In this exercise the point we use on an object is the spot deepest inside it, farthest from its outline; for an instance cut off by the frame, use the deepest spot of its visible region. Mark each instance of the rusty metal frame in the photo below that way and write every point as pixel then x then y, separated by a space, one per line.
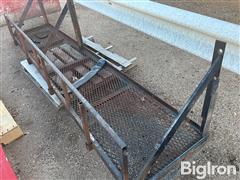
pixel 87 106
pixel 37 56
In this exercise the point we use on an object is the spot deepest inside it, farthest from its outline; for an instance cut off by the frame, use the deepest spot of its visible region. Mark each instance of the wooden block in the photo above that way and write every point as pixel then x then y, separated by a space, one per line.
pixel 9 130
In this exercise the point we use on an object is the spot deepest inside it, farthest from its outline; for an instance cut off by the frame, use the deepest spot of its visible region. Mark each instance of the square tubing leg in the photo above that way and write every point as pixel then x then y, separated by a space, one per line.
pixel 211 92
pixel 43 11
pixel 75 22
pixel 24 13
pixel 45 73
pixel 125 164
pixel 86 131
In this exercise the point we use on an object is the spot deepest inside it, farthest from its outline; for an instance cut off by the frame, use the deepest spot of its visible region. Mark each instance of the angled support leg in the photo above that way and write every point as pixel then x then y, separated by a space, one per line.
pixel 211 91
pixel 75 22
pixel 43 11
pixel 57 26
pixel 24 14
pixel 26 10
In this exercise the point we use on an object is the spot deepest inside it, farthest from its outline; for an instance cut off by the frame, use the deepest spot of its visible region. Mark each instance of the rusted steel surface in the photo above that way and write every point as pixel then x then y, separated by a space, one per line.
pixel 135 133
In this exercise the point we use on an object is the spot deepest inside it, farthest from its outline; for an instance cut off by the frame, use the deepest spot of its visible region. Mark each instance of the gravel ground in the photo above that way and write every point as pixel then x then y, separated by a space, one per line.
pixel 54 146
pixel 224 10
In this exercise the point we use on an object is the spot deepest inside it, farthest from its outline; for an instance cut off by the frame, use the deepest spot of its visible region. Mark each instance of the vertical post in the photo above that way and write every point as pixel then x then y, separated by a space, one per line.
pixel 43 11
pixel 75 22
pixel 66 95
pixel 211 92
pixel 45 74
pixel 125 163
pixel 83 113
pixel 35 57
pixel 23 47
pixel 10 30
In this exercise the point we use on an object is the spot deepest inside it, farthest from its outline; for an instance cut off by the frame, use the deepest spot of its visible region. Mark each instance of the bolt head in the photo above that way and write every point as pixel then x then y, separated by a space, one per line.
pixel 220 51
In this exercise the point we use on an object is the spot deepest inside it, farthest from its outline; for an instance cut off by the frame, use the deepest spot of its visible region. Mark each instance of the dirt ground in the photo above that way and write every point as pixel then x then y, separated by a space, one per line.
pixel 53 147
pixel 224 10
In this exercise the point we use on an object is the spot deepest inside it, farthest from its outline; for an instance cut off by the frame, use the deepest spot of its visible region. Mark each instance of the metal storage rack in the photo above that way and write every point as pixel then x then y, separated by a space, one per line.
pixel 136 134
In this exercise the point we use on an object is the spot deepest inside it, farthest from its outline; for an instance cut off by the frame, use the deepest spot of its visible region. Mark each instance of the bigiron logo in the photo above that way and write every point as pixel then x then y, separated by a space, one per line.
pixel 201 171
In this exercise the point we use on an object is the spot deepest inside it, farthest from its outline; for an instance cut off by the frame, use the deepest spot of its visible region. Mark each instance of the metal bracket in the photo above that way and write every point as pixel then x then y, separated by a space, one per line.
pixel 211 91
pixel 90 74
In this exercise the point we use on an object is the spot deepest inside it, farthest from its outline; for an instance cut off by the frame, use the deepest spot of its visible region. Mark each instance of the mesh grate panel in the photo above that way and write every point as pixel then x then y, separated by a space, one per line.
pixel 140 121
pixel 137 117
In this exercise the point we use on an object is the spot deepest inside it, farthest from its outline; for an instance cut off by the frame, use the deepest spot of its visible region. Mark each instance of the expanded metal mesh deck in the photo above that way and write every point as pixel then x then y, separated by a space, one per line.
pixel 141 121
pixel 135 115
